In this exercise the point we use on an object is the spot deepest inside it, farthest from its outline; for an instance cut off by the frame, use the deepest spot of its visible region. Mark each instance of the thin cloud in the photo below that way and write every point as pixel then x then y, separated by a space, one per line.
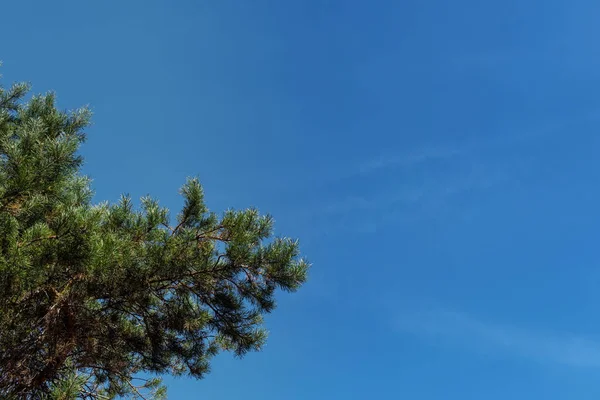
pixel 408 204
pixel 462 330
pixel 469 168
pixel 377 202
pixel 425 155
pixel 411 159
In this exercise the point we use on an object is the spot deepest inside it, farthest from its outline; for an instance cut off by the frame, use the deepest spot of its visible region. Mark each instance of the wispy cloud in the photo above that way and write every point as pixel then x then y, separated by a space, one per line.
pixel 438 195
pixel 413 158
pixel 426 182
pixel 422 156
pixel 375 202
pixel 462 330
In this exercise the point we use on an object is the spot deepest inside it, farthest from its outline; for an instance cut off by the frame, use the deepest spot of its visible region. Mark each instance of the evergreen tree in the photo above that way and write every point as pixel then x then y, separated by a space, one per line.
pixel 93 295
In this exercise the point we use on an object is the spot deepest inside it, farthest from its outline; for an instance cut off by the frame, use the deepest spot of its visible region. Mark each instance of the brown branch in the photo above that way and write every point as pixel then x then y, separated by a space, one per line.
pixel 23 244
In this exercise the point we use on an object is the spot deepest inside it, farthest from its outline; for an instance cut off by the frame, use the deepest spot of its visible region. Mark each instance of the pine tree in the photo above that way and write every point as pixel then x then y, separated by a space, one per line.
pixel 93 295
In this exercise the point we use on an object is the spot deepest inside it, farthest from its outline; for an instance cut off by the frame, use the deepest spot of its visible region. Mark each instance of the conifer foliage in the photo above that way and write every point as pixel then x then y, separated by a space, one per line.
pixel 93 297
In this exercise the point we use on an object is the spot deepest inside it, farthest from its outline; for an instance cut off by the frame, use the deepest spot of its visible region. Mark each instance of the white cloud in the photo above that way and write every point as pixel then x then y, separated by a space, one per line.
pixel 410 159
pixel 428 154
pixel 462 330
pixel 407 204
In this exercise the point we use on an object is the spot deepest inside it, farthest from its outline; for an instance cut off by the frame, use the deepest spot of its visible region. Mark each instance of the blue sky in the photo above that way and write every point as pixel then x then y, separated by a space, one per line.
pixel 438 160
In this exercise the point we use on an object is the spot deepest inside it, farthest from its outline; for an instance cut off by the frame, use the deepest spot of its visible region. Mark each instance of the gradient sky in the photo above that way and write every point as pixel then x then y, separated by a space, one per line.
pixel 437 159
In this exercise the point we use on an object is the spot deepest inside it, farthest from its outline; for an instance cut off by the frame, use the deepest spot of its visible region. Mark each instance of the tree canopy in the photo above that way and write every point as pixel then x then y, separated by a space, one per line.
pixel 93 295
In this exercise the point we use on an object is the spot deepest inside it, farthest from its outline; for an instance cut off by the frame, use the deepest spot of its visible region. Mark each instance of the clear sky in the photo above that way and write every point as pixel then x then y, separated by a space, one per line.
pixel 438 160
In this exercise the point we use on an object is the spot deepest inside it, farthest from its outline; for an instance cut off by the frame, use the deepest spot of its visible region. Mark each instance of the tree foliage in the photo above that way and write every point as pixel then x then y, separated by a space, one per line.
pixel 93 295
